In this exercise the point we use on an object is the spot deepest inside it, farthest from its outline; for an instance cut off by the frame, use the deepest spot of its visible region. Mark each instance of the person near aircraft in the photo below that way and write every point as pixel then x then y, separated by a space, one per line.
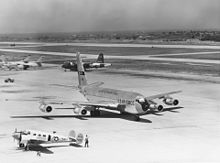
pixel 87 141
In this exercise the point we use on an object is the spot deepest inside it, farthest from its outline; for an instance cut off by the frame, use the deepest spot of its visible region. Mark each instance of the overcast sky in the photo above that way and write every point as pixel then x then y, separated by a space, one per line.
pixel 18 16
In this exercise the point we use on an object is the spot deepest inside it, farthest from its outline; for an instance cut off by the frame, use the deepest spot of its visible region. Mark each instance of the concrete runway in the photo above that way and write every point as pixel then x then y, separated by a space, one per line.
pixel 135 57
pixel 32 44
pixel 188 134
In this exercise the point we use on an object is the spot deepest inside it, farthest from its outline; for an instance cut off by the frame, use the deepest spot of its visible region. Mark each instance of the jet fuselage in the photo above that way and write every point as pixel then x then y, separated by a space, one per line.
pixel 128 102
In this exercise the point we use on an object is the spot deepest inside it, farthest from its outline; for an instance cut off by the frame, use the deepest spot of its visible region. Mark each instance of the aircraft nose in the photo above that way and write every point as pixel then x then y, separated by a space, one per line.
pixel 63 65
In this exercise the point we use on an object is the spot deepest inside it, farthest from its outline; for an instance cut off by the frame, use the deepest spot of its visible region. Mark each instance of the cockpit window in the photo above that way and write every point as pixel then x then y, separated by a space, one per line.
pixel 143 102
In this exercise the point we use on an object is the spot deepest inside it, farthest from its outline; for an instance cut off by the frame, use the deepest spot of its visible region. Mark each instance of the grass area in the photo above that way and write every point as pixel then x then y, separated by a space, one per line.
pixel 196 56
pixel 122 51
pixel 175 67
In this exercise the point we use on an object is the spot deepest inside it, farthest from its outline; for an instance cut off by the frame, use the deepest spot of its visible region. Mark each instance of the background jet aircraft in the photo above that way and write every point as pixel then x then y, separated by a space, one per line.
pixel 29 138
pixel 72 66
pixel 123 101
pixel 20 65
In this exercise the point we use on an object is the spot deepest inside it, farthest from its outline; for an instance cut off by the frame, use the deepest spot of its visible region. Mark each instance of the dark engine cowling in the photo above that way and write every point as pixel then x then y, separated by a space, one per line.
pixel 46 108
pixel 171 101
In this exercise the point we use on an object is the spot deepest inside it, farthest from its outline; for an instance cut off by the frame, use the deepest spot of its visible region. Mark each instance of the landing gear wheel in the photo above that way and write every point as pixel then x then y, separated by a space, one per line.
pixel 26 148
pixel 21 145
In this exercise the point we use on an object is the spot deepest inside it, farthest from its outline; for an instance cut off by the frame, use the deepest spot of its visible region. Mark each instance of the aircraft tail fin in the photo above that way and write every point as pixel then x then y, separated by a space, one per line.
pixel 72 135
pixel 76 138
pixel 39 61
pixel 100 58
pixel 81 71
pixel 79 138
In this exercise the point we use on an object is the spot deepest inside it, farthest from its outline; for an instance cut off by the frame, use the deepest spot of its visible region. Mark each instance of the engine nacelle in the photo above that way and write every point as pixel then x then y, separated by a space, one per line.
pixel 20 66
pixel 45 108
pixel 156 107
pixel 80 111
pixel 171 101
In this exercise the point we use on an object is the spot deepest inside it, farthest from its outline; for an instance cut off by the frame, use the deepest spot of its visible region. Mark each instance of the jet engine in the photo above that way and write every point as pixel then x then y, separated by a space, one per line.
pixel 156 107
pixel 80 111
pixel 171 101
pixel 45 108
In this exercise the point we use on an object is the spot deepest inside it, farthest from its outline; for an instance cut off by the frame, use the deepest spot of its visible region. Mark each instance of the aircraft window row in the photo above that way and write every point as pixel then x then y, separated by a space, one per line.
pixel 34 134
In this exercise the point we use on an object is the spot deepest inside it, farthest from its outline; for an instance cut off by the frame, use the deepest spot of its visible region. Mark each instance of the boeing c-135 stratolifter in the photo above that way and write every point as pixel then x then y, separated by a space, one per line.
pixel 118 100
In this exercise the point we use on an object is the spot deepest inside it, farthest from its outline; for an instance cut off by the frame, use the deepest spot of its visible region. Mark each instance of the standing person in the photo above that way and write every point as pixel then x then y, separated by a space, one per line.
pixel 87 141
pixel 38 153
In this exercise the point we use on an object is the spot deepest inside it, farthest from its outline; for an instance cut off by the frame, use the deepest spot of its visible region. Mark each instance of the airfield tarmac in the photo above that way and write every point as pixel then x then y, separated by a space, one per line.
pixel 187 134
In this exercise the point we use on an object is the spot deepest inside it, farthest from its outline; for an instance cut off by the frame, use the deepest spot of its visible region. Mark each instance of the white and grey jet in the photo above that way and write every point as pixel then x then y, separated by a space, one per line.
pixel 125 102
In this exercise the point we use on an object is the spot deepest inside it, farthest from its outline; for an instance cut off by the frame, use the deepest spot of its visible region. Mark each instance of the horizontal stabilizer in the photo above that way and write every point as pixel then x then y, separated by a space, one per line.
pixel 96 84
pixel 65 86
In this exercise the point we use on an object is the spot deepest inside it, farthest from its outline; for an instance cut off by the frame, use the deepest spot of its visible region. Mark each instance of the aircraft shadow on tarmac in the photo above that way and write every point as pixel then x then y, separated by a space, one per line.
pixel 37 149
pixel 170 109
pixel 46 150
pixel 104 114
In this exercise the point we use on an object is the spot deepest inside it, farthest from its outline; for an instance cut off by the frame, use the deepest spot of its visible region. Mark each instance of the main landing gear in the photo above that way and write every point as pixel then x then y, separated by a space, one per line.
pixel 95 113
pixel 26 147
pixel 136 118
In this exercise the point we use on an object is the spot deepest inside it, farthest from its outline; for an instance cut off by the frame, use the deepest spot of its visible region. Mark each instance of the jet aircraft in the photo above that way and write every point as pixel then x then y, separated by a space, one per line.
pixel 29 138
pixel 72 66
pixel 125 102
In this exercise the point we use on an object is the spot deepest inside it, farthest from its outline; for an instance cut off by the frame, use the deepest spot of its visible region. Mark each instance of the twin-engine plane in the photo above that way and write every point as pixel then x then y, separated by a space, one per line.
pixel 20 65
pixel 125 102
pixel 30 138
pixel 99 63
